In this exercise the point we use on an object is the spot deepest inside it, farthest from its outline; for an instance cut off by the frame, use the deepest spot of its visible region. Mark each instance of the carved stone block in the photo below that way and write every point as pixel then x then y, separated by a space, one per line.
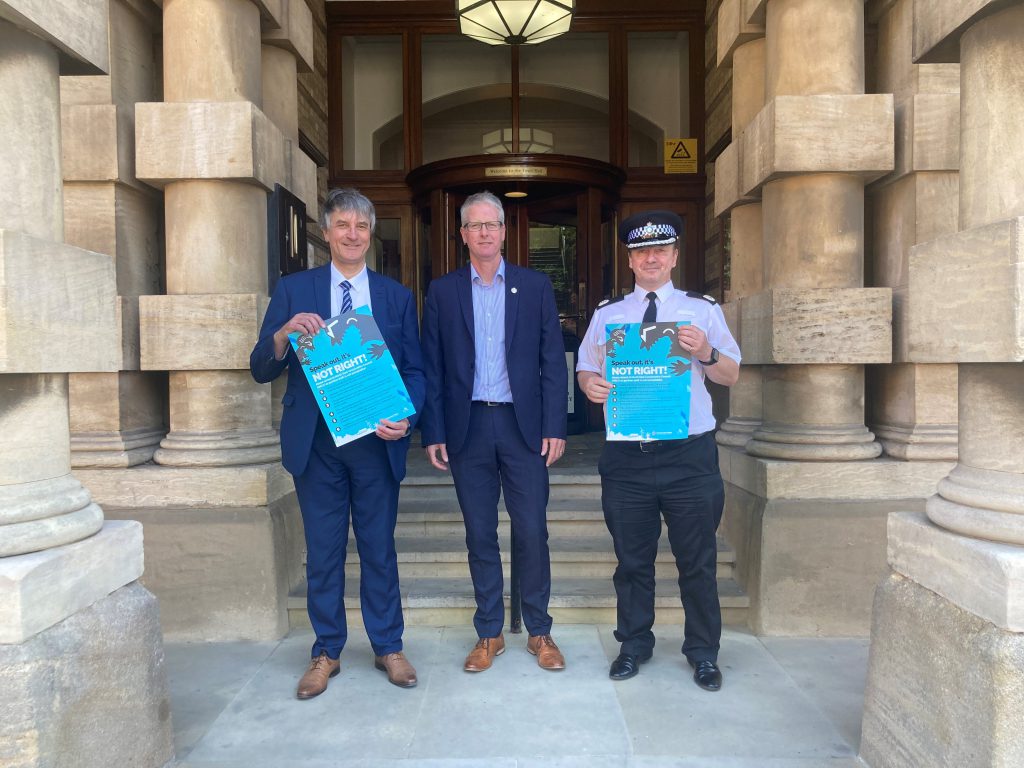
pixel 199 333
pixel 295 33
pixel 59 307
pixel 819 134
pixel 76 28
pixel 829 325
pixel 965 298
pixel 733 30
pixel 208 140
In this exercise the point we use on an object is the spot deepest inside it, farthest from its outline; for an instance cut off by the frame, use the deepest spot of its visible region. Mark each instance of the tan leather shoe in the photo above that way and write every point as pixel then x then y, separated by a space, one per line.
pixel 400 671
pixel 314 682
pixel 547 653
pixel 483 653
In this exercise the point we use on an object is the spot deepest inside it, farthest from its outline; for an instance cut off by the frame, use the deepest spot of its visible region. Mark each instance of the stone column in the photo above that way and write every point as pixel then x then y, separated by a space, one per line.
pixel 741 44
pixel 287 52
pixel 69 610
pixel 223 536
pixel 956 592
pixel 117 419
pixel 912 406
pixel 806 503
pixel 43 505
pixel 814 237
pixel 216 242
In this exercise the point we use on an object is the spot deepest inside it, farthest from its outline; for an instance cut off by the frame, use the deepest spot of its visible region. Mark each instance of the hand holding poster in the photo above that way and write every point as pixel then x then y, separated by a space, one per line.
pixel 650 376
pixel 352 374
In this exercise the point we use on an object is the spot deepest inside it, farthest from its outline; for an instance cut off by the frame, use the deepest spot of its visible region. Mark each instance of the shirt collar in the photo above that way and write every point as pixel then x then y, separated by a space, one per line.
pixel 475 276
pixel 360 282
pixel 663 293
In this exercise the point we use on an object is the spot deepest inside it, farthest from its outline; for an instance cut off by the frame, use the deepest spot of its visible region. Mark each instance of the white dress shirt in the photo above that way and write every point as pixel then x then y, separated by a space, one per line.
pixel 673 306
pixel 360 290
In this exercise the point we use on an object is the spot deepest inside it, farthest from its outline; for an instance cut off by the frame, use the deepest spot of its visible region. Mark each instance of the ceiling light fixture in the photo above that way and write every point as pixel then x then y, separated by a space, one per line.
pixel 515 22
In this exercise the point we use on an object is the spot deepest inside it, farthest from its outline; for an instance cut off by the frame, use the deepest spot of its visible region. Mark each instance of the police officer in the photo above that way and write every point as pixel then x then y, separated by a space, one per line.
pixel 642 481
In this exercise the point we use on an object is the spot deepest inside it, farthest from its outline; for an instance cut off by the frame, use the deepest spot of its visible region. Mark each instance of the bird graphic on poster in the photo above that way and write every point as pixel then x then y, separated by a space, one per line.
pixel 652 334
pixel 616 339
pixel 364 326
pixel 303 346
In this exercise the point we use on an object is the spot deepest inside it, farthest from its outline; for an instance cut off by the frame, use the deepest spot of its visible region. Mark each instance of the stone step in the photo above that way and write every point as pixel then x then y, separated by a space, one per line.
pixel 442 517
pixel 571 557
pixel 564 484
pixel 449 602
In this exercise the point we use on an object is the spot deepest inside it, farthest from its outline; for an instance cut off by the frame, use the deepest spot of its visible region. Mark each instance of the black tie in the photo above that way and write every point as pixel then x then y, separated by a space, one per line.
pixel 651 315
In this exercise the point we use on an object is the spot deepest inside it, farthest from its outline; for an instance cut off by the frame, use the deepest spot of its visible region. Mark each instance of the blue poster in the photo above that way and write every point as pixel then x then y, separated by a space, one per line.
pixel 353 375
pixel 650 376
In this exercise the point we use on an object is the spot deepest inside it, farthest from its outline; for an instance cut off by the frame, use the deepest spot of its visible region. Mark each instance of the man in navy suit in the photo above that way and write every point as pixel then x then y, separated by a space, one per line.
pixel 495 413
pixel 359 479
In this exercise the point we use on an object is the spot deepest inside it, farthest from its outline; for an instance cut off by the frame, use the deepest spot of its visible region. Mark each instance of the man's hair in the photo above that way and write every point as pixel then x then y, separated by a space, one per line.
pixel 348 199
pixel 482 197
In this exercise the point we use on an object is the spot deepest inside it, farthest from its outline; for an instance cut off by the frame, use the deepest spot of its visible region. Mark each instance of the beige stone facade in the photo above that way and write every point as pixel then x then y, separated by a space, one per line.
pixel 866 192
pixel 893 306
pixel 69 601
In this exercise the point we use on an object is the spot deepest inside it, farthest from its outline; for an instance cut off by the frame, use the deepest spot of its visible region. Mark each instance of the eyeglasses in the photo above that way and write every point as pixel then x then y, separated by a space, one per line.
pixel 476 226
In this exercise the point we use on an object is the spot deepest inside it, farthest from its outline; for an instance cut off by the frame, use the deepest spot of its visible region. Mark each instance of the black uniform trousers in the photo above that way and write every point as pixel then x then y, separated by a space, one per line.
pixel 680 480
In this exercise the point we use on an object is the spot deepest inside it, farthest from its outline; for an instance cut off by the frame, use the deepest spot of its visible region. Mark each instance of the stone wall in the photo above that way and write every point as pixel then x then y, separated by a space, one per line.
pixel 807 494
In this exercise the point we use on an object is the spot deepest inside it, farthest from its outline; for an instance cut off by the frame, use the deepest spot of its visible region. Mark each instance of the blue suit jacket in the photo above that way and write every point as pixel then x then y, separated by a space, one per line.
pixel 394 311
pixel 534 351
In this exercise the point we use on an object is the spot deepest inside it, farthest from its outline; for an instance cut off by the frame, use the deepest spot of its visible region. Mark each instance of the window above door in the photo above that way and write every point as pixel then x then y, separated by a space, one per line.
pixel 405 89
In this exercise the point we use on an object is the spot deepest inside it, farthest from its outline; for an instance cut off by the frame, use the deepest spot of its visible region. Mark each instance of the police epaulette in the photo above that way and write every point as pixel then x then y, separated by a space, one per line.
pixel 612 300
pixel 695 295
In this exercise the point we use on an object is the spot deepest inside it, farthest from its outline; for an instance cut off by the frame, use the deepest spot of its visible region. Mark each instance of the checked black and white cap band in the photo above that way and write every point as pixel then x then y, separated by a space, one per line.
pixel 642 230
pixel 651 234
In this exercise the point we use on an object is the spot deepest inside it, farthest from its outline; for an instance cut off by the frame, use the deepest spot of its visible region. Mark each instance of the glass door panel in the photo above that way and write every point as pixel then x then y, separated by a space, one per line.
pixel 467 96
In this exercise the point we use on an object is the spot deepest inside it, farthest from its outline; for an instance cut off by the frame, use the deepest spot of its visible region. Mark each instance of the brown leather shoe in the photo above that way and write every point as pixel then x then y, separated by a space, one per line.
pixel 400 671
pixel 547 653
pixel 483 653
pixel 314 682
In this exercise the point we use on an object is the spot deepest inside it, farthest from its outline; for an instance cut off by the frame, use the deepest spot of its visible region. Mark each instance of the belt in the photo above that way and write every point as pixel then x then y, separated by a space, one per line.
pixel 650 446
pixel 489 403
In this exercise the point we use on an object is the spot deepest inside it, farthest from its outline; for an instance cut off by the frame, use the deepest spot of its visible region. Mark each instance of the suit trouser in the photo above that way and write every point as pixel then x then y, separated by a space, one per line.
pixel 496 459
pixel 353 481
pixel 680 480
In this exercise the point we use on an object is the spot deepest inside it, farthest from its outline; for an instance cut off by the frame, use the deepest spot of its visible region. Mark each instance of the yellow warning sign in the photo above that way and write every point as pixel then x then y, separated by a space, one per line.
pixel 680 156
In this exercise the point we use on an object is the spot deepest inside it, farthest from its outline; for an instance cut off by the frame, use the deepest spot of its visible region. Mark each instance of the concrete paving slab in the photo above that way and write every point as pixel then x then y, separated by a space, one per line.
pixel 203 679
pixel 743 762
pixel 831 672
pixel 359 716
pixel 516 708
pixel 759 713
pixel 786 703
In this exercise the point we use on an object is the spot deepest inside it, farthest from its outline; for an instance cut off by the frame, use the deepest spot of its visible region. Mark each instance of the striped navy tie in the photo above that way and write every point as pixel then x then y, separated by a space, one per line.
pixel 346 296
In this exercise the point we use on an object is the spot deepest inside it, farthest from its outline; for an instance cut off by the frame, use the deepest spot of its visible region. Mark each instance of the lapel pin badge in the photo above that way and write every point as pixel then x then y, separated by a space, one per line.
pixel 515 290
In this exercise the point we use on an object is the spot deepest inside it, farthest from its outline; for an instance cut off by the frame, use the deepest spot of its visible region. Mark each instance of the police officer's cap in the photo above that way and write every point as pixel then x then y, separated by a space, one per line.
pixel 642 230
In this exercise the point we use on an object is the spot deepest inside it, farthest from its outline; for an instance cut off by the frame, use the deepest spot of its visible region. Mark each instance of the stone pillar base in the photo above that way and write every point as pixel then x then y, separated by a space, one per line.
pixel 919 442
pixel 42 514
pixel 114 449
pixel 219 449
pixel 944 686
pixel 223 546
pixel 736 431
pixel 810 538
pixel 813 443
pixel 90 691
